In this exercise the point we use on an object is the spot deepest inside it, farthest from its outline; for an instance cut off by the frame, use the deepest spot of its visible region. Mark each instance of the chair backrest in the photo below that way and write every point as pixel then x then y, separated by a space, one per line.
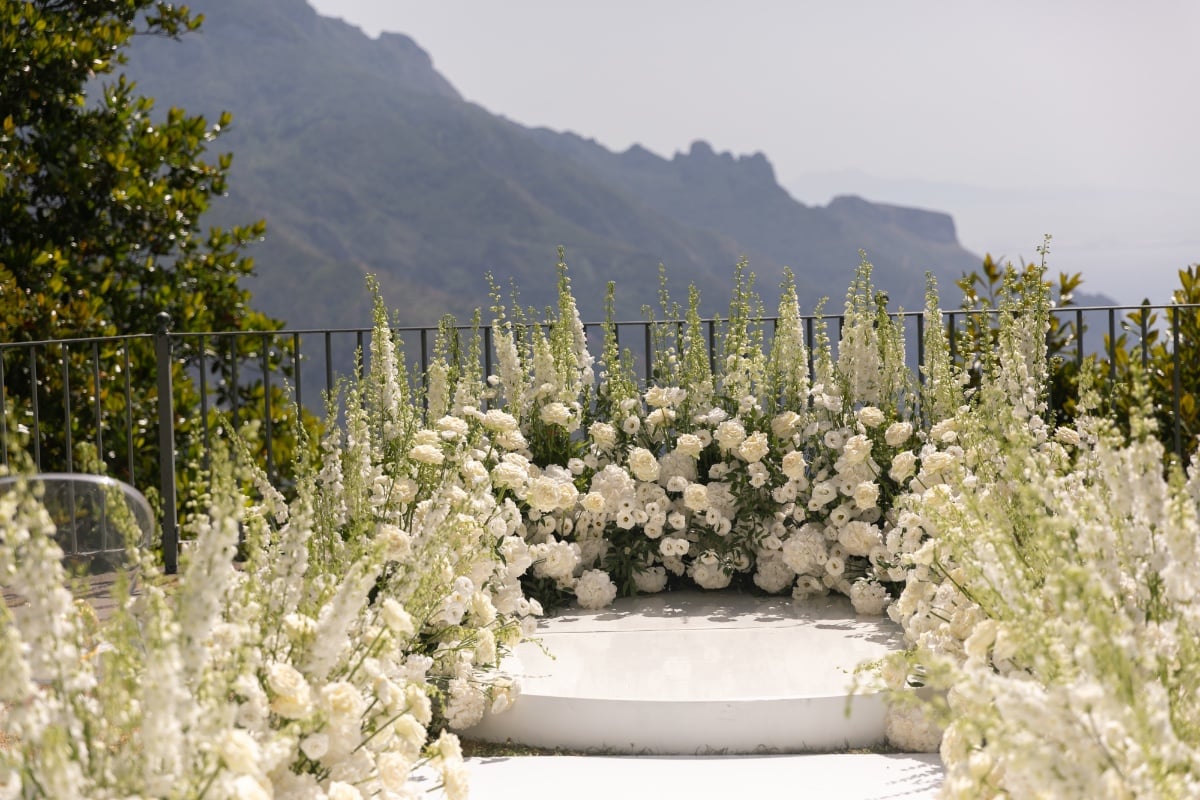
pixel 95 515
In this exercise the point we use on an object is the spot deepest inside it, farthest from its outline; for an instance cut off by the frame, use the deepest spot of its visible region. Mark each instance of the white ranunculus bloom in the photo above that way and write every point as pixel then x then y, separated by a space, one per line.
pixel 603 435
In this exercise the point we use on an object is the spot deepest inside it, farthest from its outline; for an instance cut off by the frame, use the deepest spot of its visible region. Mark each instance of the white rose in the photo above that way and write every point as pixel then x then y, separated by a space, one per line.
pixel 643 464
pixel 794 465
pixel 904 464
pixel 593 502
pixel 753 447
pixel 689 444
pixel 342 699
pixel 898 433
pixel 856 450
pixel 695 497
pixel 595 589
pixel 394 770
pixel 426 454
pixel 730 434
pixel 866 494
pixel 543 494
pixel 603 435
pixel 870 416
pixel 292 695
pixel 343 791
pixel 396 618
pixel 556 414
pixel 785 424
pixel 240 752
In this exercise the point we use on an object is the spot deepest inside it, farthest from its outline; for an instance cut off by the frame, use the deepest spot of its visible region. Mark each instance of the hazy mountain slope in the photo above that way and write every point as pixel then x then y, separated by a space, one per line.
pixel 362 158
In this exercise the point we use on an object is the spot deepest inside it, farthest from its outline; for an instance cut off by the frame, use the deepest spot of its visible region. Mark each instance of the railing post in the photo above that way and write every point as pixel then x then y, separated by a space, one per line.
pixel 166 444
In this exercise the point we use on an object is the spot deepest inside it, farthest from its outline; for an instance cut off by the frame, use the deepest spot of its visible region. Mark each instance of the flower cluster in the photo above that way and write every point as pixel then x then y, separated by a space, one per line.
pixel 368 620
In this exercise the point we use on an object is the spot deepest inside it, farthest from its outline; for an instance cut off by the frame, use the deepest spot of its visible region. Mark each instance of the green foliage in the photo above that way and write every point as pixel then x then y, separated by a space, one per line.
pixel 1157 347
pixel 101 200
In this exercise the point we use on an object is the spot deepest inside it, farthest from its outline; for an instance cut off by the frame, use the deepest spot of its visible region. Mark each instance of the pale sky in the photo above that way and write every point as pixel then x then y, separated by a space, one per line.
pixel 1079 119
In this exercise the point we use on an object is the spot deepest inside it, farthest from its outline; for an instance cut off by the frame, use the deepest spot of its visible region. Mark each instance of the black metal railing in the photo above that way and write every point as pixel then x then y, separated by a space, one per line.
pixel 132 395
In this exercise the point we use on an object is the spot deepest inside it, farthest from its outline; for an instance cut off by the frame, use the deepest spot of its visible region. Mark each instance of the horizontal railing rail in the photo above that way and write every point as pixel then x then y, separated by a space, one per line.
pixel 57 393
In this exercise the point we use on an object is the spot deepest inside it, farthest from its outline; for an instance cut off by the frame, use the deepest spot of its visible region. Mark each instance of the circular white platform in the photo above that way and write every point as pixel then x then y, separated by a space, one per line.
pixel 693 672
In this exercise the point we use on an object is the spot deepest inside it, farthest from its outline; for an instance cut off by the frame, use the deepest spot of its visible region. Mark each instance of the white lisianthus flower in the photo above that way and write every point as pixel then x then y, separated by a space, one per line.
pixel 904 465
pixel 670 546
pixel 870 416
pixel 595 589
pixel 822 494
pixel 794 465
pixel 898 433
pixel 292 696
pixel 758 473
pixel 753 447
pixel 834 439
pixel 643 464
pixel 730 434
pixel 677 520
pixel 427 454
pixel 631 424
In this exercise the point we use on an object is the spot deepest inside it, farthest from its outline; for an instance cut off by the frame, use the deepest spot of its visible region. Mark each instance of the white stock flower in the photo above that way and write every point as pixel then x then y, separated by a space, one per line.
pixel 396 618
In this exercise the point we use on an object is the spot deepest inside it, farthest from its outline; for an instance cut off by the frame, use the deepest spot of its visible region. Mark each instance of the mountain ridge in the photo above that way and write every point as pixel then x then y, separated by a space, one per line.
pixel 364 159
